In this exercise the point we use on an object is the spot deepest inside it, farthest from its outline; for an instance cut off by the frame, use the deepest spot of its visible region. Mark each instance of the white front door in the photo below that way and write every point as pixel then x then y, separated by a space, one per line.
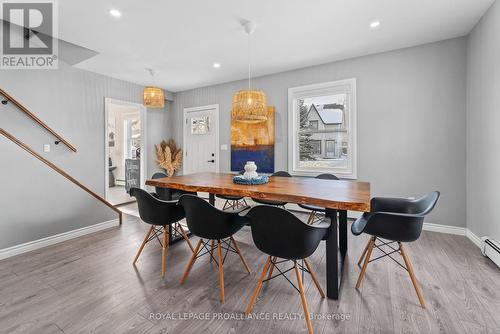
pixel 201 139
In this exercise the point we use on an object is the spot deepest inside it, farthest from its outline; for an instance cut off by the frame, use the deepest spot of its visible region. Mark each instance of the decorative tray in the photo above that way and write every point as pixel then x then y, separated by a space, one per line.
pixel 261 179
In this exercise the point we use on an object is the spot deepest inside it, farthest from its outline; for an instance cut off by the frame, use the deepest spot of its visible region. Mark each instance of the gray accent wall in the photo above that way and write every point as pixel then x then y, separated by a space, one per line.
pixel 411 119
pixel 483 126
pixel 35 201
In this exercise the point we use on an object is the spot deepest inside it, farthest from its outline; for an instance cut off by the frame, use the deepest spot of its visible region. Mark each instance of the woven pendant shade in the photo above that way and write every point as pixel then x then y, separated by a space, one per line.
pixel 249 106
pixel 153 97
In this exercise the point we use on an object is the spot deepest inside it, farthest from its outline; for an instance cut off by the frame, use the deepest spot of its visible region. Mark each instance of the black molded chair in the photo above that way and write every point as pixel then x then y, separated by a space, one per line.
pixel 314 216
pixel 397 220
pixel 271 202
pixel 216 226
pixel 281 235
pixel 159 214
pixel 163 192
pixel 233 202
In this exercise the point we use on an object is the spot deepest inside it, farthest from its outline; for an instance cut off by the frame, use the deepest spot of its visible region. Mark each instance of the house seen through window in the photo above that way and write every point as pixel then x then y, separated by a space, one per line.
pixel 324 126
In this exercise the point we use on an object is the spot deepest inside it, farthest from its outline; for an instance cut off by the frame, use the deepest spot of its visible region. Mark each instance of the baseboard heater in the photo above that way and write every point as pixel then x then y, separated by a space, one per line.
pixel 491 249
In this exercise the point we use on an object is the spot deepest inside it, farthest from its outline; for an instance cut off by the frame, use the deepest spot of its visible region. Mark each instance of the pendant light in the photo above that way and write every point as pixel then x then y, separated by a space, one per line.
pixel 153 97
pixel 249 105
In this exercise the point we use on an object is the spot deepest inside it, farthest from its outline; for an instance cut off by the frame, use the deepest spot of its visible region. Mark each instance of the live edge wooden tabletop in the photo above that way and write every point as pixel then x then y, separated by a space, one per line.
pixel 332 194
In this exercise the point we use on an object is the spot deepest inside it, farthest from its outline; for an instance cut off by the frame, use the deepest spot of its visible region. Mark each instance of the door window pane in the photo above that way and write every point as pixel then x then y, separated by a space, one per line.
pixel 330 148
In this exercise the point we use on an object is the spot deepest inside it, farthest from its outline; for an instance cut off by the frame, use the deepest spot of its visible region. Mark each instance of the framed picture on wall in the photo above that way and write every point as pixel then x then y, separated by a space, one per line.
pixel 253 142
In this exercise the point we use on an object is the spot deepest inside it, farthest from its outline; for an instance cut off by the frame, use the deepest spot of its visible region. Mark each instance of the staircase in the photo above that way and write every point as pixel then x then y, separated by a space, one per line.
pixel 59 139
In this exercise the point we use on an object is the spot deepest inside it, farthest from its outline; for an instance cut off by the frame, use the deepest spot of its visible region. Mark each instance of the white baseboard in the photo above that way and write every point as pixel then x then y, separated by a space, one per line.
pixel 474 238
pixel 454 230
pixel 448 229
pixel 444 229
pixel 295 207
pixel 44 242
pixel 54 239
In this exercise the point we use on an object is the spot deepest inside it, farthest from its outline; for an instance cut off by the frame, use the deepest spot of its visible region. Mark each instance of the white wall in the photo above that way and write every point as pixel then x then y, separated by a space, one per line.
pixel 411 119
pixel 35 201
pixel 483 126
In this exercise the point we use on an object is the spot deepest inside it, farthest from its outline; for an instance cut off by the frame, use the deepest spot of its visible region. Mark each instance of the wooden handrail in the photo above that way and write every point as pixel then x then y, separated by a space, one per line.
pixel 36 119
pixel 60 171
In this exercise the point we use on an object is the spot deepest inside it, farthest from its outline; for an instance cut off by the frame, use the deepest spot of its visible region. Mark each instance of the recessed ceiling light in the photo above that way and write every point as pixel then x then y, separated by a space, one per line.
pixel 216 65
pixel 374 24
pixel 115 13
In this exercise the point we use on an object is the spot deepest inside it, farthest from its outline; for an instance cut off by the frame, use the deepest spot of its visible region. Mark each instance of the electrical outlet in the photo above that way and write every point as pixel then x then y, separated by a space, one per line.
pixel 46 148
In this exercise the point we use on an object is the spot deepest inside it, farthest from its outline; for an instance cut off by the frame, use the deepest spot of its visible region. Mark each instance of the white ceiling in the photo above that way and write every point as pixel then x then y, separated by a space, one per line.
pixel 181 39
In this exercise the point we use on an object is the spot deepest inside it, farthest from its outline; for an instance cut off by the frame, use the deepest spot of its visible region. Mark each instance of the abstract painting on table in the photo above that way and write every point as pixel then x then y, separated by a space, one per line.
pixel 253 142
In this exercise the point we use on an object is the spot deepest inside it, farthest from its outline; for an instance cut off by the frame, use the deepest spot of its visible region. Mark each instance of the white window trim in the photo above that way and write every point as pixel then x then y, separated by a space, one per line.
pixel 293 149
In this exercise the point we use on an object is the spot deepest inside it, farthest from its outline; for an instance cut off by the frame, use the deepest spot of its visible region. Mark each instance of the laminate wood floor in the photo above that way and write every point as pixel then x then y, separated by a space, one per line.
pixel 88 285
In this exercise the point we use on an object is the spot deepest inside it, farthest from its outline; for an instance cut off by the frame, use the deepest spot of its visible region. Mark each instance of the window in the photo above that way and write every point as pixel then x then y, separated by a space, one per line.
pixel 322 116
pixel 315 147
pixel 200 125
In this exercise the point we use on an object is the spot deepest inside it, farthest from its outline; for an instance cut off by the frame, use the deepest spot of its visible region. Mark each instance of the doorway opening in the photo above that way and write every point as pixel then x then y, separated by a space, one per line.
pixel 125 153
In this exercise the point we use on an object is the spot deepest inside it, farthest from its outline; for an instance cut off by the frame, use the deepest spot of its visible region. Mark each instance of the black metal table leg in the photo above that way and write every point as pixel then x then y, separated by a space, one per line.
pixel 343 232
pixel 211 199
pixel 173 238
pixel 334 258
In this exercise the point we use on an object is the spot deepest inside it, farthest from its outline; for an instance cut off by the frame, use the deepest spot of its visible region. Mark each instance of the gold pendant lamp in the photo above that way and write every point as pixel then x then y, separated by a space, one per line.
pixel 153 97
pixel 249 105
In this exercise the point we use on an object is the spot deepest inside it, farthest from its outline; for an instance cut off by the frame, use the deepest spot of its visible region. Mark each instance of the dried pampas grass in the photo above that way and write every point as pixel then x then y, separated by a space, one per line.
pixel 168 156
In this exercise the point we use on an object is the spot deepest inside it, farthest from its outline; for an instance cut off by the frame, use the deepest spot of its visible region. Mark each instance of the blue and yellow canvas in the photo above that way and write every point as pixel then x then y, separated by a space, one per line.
pixel 253 142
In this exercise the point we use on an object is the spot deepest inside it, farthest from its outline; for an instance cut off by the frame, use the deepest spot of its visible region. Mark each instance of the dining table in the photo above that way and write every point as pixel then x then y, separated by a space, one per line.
pixel 336 196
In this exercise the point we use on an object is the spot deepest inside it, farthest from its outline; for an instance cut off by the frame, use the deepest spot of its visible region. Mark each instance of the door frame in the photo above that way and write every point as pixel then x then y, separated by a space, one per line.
pixel 184 129
pixel 143 118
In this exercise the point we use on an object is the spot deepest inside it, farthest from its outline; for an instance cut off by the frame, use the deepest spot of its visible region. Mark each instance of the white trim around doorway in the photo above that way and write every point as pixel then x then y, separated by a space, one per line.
pixel 143 116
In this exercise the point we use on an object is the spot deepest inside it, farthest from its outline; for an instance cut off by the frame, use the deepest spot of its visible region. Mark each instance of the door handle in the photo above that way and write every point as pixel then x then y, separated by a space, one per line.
pixel 212 161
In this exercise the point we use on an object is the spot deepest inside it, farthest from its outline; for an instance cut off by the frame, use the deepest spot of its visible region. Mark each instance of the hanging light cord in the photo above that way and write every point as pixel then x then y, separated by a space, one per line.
pixel 152 73
pixel 248 61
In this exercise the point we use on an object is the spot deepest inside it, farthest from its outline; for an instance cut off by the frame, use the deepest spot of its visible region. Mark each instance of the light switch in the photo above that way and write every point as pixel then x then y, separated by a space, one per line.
pixel 46 148
pixel 223 147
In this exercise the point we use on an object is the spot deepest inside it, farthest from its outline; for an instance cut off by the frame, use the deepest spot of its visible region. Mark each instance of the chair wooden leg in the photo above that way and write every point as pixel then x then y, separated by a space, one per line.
pixel 310 220
pixel 412 276
pixel 191 262
pixel 221 272
pixel 256 291
pixel 184 235
pixel 212 245
pixel 144 242
pixel 241 255
pixel 271 267
pixel 164 250
pixel 315 279
pixel 303 299
pixel 365 264
pixel 364 253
